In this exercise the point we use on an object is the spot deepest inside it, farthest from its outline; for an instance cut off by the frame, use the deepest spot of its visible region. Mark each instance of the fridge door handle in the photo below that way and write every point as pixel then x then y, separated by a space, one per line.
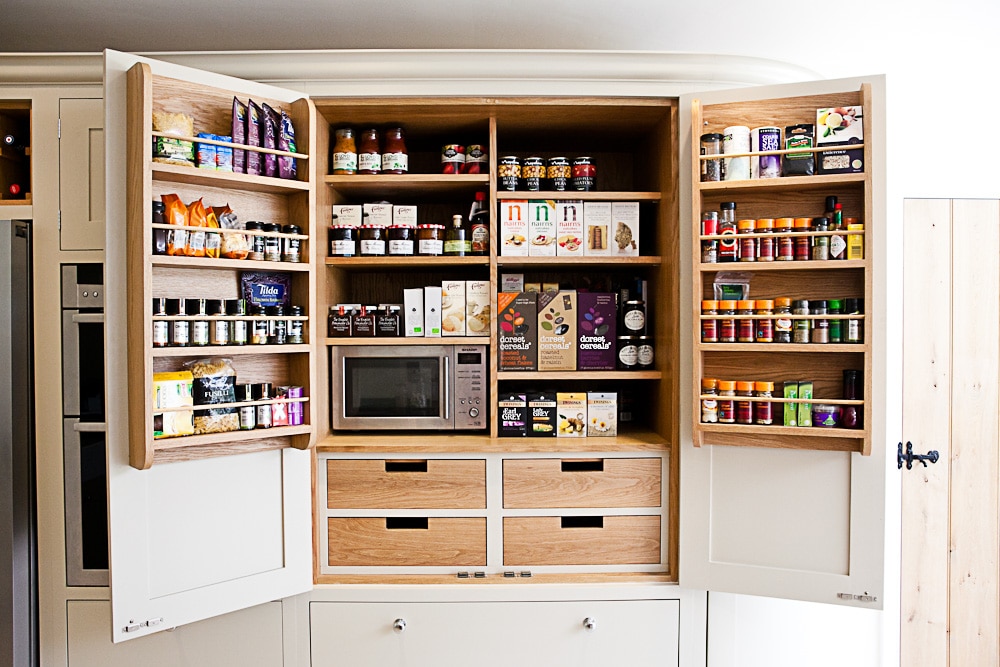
pixel 88 318
pixel 71 362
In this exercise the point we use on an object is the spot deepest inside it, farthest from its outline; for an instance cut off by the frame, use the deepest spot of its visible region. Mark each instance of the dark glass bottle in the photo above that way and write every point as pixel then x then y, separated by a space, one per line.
pixel 850 415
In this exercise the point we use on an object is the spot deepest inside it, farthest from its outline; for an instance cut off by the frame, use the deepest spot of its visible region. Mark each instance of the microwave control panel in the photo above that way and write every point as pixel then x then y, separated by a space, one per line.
pixel 470 387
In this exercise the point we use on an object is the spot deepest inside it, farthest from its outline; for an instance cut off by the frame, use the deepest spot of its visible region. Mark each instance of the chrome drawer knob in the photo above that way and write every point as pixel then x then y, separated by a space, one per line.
pixel 590 623
pixel 398 625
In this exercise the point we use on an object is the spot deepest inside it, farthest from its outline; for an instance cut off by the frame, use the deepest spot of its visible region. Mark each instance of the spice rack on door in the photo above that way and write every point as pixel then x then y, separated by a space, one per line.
pixel 251 197
pixel 821 363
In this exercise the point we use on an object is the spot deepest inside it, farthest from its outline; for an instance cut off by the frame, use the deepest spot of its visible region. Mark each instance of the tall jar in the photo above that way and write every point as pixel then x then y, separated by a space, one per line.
pixel 762 409
pixel 821 244
pixel 727 406
pixel 369 156
pixel 728 249
pixel 710 327
pixel 850 415
pixel 744 407
pixel 709 402
pixel 746 328
pixel 786 246
pixel 345 152
pixel 820 326
pixel 803 244
pixel 394 157
pixel 765 325
pixel 727 323
pixel 782 320
pixel 710 227
pixel 711 144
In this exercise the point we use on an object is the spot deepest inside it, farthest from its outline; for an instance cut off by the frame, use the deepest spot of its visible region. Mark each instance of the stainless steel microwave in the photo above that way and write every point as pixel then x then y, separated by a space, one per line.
pixel 402 387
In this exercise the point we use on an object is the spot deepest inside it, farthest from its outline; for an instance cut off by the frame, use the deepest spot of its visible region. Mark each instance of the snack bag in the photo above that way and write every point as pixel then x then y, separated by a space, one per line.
pixel 196 240
pixel 212 240
pixel 214 381
pixel 286 142
pixel 176 213
pixel 270 139
pixel 255 122
pixel 233 246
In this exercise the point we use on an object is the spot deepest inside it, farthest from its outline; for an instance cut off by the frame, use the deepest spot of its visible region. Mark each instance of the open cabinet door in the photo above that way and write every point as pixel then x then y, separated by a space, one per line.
pixel 195 538
pixel 790 511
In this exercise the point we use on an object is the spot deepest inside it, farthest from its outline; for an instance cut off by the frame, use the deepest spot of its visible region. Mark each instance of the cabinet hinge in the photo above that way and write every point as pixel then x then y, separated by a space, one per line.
pixel 860 598
pixel 133 626
pixel 59 128
pixel 59 220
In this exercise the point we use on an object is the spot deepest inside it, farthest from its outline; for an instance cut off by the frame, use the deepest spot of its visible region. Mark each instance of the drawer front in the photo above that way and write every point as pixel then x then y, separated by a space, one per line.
pixel 405 484
pixel 409 541
pixel 590 540
pixel 529 483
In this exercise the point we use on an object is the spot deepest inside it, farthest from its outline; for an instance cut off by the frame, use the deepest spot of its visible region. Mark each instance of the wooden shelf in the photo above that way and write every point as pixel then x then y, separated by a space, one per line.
pixel 228 350
pixel 806 265
pixel 783 437
pixel 172 173
pixel 438 443
pixel 576 195
pixel 579 375
pixel 182 262
pixel 785 183
pixel 764 348
pixel 404 262
pixel 642 260
pixel 229 436
pixel 408 185
pixel 409 340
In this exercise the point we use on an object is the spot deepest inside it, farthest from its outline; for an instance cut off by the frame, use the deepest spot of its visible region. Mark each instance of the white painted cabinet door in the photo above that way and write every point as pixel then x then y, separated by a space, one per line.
pixel 194 539
pixel 789 523
pixel 81 174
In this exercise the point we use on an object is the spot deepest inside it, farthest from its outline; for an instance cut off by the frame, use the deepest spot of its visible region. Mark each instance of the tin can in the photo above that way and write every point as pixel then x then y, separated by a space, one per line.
pixel 584 174
pixel 736 139
pixel 476 160
pixel 509 173
pixel 533 173
pixel 452 159
pixel 558 172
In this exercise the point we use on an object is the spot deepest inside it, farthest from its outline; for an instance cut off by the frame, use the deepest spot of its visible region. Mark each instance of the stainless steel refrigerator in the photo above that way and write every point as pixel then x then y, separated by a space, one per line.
pixel 18 559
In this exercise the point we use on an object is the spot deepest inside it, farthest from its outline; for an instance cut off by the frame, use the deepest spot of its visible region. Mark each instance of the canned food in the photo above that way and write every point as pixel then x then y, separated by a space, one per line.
pixel 558 173
pixel 452 159
pixel 509 172
pixel 533 172
pixel 584 174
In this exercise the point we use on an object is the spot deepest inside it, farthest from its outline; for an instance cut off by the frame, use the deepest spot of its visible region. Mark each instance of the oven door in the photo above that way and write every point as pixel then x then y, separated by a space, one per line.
pixel 392 387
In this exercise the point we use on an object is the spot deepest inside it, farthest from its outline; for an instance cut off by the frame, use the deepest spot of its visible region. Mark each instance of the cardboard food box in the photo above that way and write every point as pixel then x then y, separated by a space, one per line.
pixel 347 214
pixel 597 234
pixel 597 319
pixel 557 331
pixel 840 126
pixel 516 325
pixel 404 215
pixel 569 228
pixel 542 228
pixel 512 282
pixel 805 409
pixel 514 227
pixel 413 312
pixel 432 311
pixel 512 410
pixel 542 415
pixel 453 308
pixel 602 414
pixel 172 390
pixel 571 413
pixel 377 214
pixel 791 410
pixel 477 308
pixel 625 238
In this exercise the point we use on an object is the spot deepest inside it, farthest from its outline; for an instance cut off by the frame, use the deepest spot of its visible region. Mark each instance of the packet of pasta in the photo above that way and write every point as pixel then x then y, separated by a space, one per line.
pixel 196 239
pixel 176 213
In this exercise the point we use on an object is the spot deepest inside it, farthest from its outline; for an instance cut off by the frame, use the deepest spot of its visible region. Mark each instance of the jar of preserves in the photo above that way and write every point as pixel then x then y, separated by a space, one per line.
pixel 748 244
pixel 710 327
pixel 709 401
pixel 338 322
pixel 256 242
pixel 786 246
pixel 558 173
pixel 762 415
pixel 476 160
pixel 294 326
pixel 343 241
pixel 509 172
pixel 400 240
pixel 644 353
pixel 628 353
pixel 746 330
pixel 803 243
pixel 430 239
pixel 634 317
pixel 272 244
pixel 727 406
pixel 291 249
pixel 764 227
pixel 584 174
pixel 369 155
pixel 782 320
pixel 371 240
pixel 533 172
pixel 394 157
pixel 345 152
pixel 764 308
pixel 744 408
pixel 238 331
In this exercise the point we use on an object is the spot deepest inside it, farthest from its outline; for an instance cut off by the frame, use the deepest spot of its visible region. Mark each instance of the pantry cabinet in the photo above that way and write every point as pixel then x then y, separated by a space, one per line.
pixel 277 514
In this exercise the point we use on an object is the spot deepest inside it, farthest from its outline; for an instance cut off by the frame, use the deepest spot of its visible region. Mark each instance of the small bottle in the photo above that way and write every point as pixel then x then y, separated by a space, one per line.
pixel 710 328
pixel 782 320
pixel 786 244
pixel 748 245
pixel 369 156
pixel 836 330
pixel 838 242
pixel 709 227
pixel 855 327
pixel 821 327
pixel 260 327
pixel 455 242
pixel 765 243
pixel 803 244
pixel 746 329
pixel 821 244
pixel 277 326
pixel 294 327
pixel 345 152
pixel 800 329
pixel 239 330
pixel 850 415
pixel 711 144
pixel 199 327
pixel 161 328
pixel 744 408
pixel 727 406
pixel 291 248
pixel 479 226
pixel 262 392
pixel 255 242
pixel 728 250
pixel 727 324
pixel 709 402
pixel 762 415
pixel 765 325
pixel 248 413
pixel 394 157
pixel 180 329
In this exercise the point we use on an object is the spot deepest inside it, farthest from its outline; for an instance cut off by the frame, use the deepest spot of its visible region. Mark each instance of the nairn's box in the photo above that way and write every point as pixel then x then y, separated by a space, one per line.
pixel 512 410
pixel 542 415
pixel 597 228
pixel 541 228
pixel 516 325
pixel 625 216
pixel 571 410
pixel 602 413
pixel 569 228
pixel 596 331
pixel 477 308
pixel 453 308
pixel 514 227
pixel 557 331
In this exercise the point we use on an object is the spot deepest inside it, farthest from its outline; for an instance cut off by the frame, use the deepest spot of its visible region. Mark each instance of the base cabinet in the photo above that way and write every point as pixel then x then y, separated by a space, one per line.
pixel 637 633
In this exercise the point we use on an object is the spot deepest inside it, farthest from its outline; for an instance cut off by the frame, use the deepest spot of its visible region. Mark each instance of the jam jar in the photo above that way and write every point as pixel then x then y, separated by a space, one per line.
pixel 401 240
pixel 291 248
pixel 342 240
pixel 371 240
pixel 584 174
pixel 430 239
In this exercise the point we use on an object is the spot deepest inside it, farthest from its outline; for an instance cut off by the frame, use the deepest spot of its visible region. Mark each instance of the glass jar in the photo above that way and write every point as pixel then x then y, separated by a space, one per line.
pixel 748 244
pixel 558 173
pixel 786 245
pixel 762 414
pixel 161 328
pixel 628 353
pixel 262 392
pixel 800 329
pixel 371 240
pixel 850 415
pixel 765 243
pixel 727 406
pixel 711 144
pixel 430 239
pixel 338 322
pixel 645 354
pixel 199 327
pixel 821 244
pixel 709 401
pixel 709 227
pixel 710 327
pixel 295 327
pixel 256 242
pixel 238 330
pixel 836 329
pixel 533 172
pixel 272 244
pixel 219 330
pixel 345 152
pixel 820 327
pixel 394 157
pixel 387 322
pixel 765 325
pixel 584 174
pixel 509 172
pixel 634 317
pixel 369 156
pixel 248 413
pixel 728 249
pixel 343 240
pixel 744 408
pixel 746 331
pixel 803 244
pixel 855 326
pixel 291 250
pixel 727 323
pixel 277 326
pixel 401 240
pixel 259 334
pixel 782 320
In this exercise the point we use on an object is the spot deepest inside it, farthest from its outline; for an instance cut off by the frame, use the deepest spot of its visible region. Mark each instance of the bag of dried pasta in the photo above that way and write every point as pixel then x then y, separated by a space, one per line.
pixel 214 382
pixel 176 213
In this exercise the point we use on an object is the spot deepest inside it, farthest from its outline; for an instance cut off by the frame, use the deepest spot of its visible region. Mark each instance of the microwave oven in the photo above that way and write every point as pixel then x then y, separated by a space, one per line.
pixel 402 387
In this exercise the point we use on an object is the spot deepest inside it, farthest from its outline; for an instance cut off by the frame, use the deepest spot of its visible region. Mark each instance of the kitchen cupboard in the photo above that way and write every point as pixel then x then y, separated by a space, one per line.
pixel 631 494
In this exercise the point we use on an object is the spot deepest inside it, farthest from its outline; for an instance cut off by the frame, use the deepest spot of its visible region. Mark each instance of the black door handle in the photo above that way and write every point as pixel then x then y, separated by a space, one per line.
pixel 909 457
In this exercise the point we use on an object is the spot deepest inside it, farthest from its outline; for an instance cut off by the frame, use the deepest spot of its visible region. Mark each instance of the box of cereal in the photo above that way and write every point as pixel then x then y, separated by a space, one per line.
pixel 516 322
pixel 557 331
pixel 597 321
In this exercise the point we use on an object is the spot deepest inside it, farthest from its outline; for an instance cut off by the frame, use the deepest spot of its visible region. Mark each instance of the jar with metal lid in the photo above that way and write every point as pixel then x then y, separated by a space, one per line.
pixel 430 239
pixel 782 320
pixel 476 159
pixel 803 244
pixel 836 329
pixel 371 240
pixel 248 413
pixel 509 172
pixel 343 240
pixel 291 250
pixel 710 327
pixel 764 308
pixel 159 235
pixel 850 415
pixel 256 242
pixel 558 173
pixel 628 353
pixel 727 406
pixel 711 144
pixel 369 155
pixel 800 328
pixel 260 326
pixel 262 392
pixel 821 244
pixel 294 326
pixel 161 328
pixel 729 251
pixel 219 328
pixel 748 244
pixel 180 329
pixel 762 414
pixel 821 326
pixel 744 408
pixel 395 159
pixel 644 353
pixel 199 326
pixel 746 330
pixel 709 227
pixel 238 329
pixel 855 326
pixel 401 240
pixel 634 317
pixel 709 401
pixel 345 152
pixel 584 174
pixel 533 173
pixel 765 243
pixel 727 323
pixel 277 326
pixel 272 244
pixel 452 158
pixel 786 245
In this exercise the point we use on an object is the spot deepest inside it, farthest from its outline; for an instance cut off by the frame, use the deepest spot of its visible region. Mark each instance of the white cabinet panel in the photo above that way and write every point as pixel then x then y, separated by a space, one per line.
pixel 81 174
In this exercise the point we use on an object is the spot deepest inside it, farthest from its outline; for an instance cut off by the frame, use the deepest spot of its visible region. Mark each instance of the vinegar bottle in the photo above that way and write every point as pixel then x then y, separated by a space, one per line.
pixel 456 241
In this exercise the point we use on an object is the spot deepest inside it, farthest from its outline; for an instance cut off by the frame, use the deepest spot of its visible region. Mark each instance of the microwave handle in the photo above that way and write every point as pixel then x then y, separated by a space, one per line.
pixel 447 384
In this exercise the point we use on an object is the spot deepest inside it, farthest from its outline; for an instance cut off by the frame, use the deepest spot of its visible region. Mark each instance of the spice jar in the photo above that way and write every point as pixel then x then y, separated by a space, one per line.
pixel 821 244
pixel 800 329
pixel 256 242
pixel 634 317
pixel 744 408
pixel 342 240
pixel 277 326
pixel 762 410
pixel 248 413
pixel 803 244
pixel 748 245
pixel 369 156
pixel 238 329
pixel 262 392
pixel 782 320
pixel 180 330
pixel 260 327
pixel 161 328
pixel 558 173
pixel 727 323
pixel 584 174
pixel 430 239
pixel 272 244
pixel 294 326
pixel 727 406
pixel 291 250
pixel 628 353
pixel 159 235
pixel 746 332
pixel 199 326
pixel 765 325
pixel 709 402
pixel 394 157
pixel 509 172
pixel 345 152
pixel 766 243
pixel 728 249
pixel 219 327
pixel 533 172
pixel 401 240
pixel 821 326
pixel 786 245
pixel 644 353
pixel 709 227
pixel 371 240
pixel 838 241
pixel 711 144
pixel 855 326
pixel 476 160
pixel 836 330
pixel 710 327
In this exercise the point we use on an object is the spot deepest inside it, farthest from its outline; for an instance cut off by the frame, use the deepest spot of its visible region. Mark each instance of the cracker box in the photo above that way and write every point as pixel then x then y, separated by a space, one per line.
pixel 172 390
pixel 432 311
pixel 597 228
pixel 625 222
pixel 557 331
pixel 542 228
pixel 512 409
pixel 347 214
pixel 514 227
pixel 596 331
pixel 413 312
pixel 542 415
pixel 404 215
pixel 377 214
pixel 569 228
pixel 516 324
pixel 805 409
pixel 512 282
pixel 477 308
pixel 602 414
pixel 571 414
pixel 453 308
pixel 840 126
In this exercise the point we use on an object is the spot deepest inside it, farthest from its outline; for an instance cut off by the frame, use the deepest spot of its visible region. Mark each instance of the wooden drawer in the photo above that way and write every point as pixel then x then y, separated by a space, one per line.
pixel 581 540
pixel 411 541
pixel 612 482
pixel 409 484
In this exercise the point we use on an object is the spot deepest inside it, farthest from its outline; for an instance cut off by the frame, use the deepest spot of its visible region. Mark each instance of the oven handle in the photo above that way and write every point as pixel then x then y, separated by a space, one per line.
pixel 90 427
pixel 88 318
pixel 447 385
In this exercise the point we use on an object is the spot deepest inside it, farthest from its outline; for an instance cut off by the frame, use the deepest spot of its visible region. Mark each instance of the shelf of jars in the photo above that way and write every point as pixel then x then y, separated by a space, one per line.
pixel 407 185
pixel 606 262
pixel 405 261
pixel 579 375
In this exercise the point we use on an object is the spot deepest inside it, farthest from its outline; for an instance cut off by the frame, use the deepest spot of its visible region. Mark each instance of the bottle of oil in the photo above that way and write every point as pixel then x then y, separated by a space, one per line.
pixel 456 240
pixel 479 223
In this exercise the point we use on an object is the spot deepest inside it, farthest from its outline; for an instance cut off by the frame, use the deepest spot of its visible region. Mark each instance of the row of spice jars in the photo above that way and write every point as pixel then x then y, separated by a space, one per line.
pixel 345 321
pixel 779 239
pixel 742 402
pixel 202 322
pixel 782 320
pixel 367 155
pixel 555 173
pixel 266 414
pixel 380 240
pixel 272 248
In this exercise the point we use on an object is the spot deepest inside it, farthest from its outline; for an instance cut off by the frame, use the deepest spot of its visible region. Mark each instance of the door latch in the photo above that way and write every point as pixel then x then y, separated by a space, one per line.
pixel 909 457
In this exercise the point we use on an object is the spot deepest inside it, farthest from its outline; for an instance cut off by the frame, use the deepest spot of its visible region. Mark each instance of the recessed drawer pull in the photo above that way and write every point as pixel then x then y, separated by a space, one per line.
pixel 406 523
pixel 406 466
pixel 582 521
pixel 582 465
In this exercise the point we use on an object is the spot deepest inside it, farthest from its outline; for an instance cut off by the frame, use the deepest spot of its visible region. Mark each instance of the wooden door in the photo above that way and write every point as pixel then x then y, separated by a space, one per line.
pixel 951 388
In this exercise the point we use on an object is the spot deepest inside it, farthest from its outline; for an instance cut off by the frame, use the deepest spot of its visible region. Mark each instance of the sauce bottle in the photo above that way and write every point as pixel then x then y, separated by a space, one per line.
pixel 479 222
pixel 369 157
pixel 394 157
pixel 456 242
pixel 345 153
